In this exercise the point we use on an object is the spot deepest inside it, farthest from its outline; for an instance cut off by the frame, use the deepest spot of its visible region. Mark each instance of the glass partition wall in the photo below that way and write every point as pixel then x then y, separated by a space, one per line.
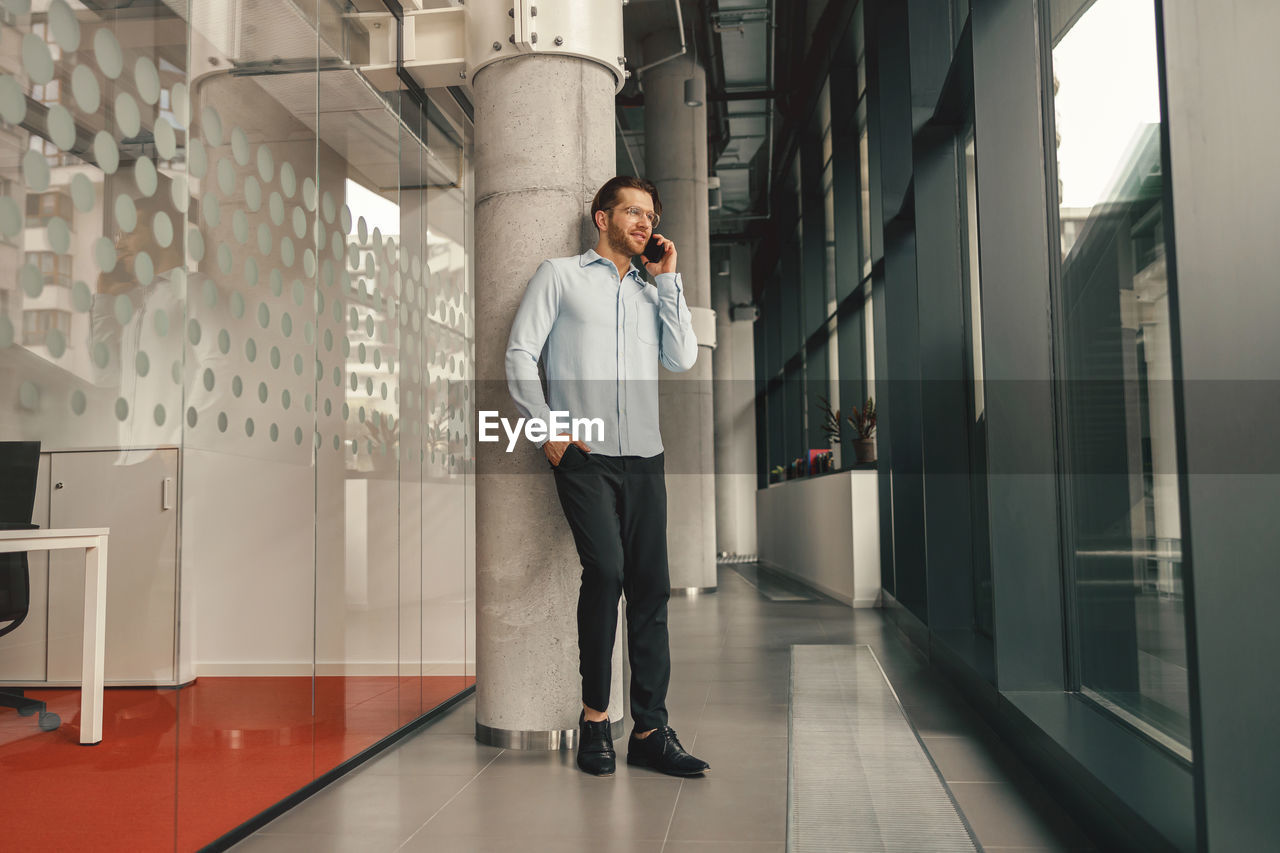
pixel 235 313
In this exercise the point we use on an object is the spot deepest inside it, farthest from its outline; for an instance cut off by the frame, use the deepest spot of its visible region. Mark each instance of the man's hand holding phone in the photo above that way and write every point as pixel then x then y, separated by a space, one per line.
pixel 659 255
pixel 555 450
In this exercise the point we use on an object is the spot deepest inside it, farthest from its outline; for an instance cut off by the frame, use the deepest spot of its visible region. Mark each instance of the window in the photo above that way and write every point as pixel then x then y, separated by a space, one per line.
pixel 980 541
pixel 864 187
pixel 56 269
pixel 53 155
pixel 869 336
pixel 828 198
pixel 864 168
pixel 41 28
pixel 43 206
pixel 36 325
pixel 973 278
pixel 860 50
pixel 1124 532
pixel 49 93
pixel 817 320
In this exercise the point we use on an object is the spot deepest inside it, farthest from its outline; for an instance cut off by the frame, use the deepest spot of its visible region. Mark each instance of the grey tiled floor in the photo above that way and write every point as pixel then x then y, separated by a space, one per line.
pixel 441 791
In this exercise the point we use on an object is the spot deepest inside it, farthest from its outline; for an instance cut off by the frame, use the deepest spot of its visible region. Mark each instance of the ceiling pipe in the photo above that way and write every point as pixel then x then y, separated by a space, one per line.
pixel 745 95
pixel 683 48
pixel 717 112
pixel 770 95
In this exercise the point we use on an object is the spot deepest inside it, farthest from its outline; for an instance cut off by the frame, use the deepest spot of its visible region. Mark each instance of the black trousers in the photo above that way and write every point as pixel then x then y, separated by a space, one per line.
pixel 617 509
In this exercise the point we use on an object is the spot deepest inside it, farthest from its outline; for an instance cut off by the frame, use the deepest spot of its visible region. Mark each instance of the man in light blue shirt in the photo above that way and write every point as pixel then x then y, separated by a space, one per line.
pixel 601 331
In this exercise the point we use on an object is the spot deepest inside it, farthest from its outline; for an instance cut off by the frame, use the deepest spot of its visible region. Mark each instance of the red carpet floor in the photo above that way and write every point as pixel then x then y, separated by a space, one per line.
pixel 178 768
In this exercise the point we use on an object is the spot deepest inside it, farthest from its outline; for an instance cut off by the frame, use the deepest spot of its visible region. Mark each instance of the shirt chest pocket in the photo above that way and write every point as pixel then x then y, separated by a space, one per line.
pixel 646 320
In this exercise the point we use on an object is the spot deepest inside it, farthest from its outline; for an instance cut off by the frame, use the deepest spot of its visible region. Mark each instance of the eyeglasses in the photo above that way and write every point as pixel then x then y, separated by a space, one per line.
pixel 637 213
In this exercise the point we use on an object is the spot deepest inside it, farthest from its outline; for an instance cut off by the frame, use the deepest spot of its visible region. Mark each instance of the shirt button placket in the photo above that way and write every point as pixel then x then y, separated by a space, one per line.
pixel 621 369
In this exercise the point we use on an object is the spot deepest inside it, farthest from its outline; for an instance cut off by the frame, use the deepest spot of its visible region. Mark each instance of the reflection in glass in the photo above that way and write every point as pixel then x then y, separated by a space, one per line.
pixel 1125 529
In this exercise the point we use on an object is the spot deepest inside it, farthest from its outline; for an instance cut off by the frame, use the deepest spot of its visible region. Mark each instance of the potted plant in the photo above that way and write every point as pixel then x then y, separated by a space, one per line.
pixel 864 429
pixel 776 473
pixel 831 427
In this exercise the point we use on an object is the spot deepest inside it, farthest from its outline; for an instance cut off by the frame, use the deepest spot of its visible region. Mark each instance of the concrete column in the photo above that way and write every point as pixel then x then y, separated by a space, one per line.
pixel 733 372
pixel 675 140
pixel 544 143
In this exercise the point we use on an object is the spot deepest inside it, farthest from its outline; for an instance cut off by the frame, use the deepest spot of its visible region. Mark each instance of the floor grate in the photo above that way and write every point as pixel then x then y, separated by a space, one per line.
pixel 858 778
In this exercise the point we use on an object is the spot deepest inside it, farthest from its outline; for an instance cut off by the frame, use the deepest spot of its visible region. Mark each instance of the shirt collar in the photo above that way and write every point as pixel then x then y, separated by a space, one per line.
pixel 590 256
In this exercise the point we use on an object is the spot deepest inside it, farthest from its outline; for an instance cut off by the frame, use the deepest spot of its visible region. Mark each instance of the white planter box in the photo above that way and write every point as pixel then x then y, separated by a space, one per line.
pixel 824 531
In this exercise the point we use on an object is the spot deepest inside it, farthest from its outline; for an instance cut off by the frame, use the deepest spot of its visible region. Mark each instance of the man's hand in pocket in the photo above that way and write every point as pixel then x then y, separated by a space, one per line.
pixel 555 450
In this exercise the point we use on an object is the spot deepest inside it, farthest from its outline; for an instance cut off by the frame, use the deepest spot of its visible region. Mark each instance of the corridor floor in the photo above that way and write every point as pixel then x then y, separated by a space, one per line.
pixel 441 791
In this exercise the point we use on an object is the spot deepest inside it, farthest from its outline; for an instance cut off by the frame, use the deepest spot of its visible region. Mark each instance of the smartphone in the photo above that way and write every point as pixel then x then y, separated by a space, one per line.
pixel 652 251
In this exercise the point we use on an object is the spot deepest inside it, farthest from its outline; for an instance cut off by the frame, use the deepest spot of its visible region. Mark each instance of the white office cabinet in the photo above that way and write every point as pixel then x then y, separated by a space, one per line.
pixel 125 491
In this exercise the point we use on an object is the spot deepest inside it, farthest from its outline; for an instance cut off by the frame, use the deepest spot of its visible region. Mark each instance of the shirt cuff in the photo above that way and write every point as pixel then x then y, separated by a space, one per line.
pixel 668 280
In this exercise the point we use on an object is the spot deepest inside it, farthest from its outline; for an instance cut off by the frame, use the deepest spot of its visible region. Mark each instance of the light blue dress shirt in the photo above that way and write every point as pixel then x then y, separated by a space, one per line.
pixel 604 339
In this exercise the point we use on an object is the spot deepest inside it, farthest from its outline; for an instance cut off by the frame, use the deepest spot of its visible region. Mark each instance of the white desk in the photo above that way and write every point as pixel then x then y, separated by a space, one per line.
pixel 94 542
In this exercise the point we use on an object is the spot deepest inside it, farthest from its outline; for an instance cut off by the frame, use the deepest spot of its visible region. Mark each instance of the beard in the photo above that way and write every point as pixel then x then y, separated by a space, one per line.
pixel 620 239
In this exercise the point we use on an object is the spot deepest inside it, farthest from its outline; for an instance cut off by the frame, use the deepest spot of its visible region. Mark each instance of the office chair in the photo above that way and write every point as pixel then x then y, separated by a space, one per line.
pixel 19 462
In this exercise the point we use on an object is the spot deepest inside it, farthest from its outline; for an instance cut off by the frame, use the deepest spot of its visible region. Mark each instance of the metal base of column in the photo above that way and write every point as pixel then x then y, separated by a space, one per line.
pixel 691 591
pixel 534 740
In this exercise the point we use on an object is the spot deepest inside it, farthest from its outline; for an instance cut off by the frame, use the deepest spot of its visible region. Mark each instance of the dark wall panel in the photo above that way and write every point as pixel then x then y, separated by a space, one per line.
pixel 852 342
pixel 1221 71
pixel 931 45
pixel 884 435
pixel 904 378
pixel 944 411
pixel 875 131
pixel 894 81
pixel 1014 254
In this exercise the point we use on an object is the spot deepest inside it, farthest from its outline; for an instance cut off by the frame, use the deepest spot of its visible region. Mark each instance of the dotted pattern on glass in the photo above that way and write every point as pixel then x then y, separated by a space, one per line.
pixel 365 302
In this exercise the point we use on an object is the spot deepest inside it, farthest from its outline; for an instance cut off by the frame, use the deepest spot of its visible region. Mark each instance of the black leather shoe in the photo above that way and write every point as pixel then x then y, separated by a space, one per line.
pixel 595 746
pixel 661 751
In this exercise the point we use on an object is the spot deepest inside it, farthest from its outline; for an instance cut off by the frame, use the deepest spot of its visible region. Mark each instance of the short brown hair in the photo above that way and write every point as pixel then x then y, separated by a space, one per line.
pixel 607 195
